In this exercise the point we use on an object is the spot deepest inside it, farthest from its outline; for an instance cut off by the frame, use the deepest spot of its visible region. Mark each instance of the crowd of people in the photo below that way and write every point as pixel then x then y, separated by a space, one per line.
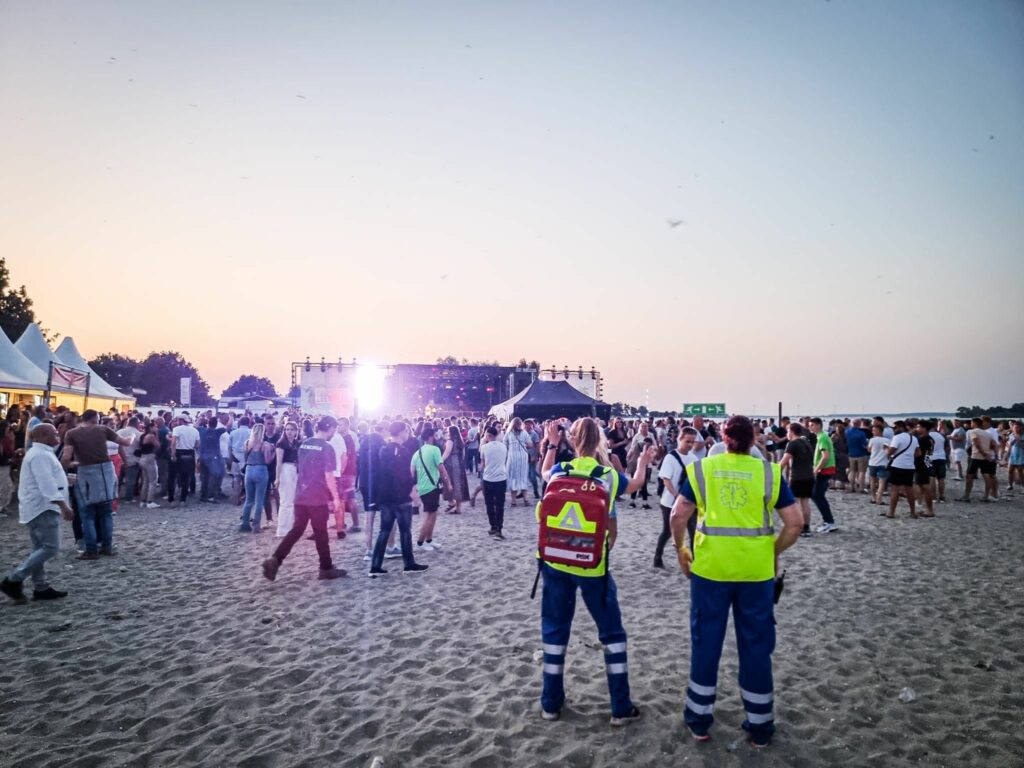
pixel 716 485
pixel 256 462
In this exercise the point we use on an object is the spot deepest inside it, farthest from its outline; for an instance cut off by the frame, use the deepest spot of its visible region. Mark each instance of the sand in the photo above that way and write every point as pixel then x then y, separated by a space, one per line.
pixel 178 653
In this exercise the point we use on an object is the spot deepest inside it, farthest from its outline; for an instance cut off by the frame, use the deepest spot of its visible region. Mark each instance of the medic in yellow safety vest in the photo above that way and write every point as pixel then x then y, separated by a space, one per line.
pixel 558 602
pixel 733 566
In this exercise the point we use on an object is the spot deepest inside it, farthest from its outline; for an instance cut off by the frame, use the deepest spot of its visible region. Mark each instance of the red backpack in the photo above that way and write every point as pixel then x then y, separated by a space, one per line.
pixel 573 519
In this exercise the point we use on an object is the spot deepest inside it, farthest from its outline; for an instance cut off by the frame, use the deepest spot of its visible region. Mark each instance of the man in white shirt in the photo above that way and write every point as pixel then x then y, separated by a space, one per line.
pixel 337 442
pixel 671 474
pixel 704 440
pixel 494 456
pixel 958 448
pixel 184 443
pixel 901 452
pixel 42 500
pixel 938 471
pixel 983 459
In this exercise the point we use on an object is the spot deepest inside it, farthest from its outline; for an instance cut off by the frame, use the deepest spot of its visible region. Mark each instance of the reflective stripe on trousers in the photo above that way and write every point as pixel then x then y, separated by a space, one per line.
pixel 558 607
pixel 752 605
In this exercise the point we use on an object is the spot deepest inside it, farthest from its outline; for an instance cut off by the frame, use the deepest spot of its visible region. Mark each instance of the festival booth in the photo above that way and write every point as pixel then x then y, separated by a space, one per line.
pixel 550 400
pixel 100 394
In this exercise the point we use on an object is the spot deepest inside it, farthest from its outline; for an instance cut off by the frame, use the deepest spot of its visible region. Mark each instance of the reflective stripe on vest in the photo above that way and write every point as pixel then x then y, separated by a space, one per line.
pixel 735 539
pixel 767 529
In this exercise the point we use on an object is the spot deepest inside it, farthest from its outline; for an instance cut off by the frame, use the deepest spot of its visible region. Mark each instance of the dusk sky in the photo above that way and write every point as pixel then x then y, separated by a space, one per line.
pixel 250 183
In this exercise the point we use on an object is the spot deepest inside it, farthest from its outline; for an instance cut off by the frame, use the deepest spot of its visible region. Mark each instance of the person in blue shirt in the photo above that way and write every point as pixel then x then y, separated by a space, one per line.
pixel 857 448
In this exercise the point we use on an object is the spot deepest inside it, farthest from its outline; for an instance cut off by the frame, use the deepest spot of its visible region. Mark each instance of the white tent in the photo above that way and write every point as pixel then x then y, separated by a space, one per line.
pixel 33 346
pixel 68 354
pixel 17 370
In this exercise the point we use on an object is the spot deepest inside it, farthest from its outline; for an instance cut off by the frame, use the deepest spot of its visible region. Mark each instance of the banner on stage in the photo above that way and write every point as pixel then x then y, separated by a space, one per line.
pixel 329 392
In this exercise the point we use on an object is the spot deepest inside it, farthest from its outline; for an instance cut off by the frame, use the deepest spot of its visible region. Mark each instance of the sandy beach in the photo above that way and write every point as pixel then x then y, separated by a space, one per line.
pixel 178 653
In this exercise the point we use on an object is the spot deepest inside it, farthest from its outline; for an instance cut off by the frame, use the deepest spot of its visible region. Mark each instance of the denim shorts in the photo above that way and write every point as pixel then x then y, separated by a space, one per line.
pixel 881 472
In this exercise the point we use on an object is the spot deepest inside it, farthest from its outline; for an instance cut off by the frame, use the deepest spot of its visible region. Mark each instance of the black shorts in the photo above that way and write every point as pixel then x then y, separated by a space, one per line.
pixel 939 469
pixel 904 477
pixel 922 476
pixel 431 501
pixel 981 465
pixel 802 489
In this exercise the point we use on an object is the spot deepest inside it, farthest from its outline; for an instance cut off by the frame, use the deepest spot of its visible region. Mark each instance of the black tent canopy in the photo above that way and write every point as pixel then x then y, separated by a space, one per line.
pixel 550 400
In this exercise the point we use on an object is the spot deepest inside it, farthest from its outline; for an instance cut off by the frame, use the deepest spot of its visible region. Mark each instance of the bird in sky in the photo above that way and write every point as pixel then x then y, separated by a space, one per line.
pixel 673 223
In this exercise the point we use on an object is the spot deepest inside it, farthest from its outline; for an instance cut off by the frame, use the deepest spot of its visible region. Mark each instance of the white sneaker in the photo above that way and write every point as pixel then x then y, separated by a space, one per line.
pixel 425 547
pixel 827 528
pixel 368 556
pixel 435 545
pixel 392 552
pixel 152 505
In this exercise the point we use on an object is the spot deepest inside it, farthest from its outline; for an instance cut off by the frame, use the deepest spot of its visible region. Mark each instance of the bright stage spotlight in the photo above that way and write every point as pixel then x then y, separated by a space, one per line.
pixel 369 386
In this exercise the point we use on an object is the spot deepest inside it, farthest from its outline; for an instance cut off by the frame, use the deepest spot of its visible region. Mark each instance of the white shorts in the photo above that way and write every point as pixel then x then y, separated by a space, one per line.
pixel 960 455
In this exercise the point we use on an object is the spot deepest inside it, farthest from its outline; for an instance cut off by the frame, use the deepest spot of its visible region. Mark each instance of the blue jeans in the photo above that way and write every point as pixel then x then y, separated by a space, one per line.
pixel 534 478
pixel 97 524
pixel 44 530
pixel 389 515
pixel 211 475
pixel 818 496
pixel 753 604
pixel 558 606
pixel 256 480
pixel 131 479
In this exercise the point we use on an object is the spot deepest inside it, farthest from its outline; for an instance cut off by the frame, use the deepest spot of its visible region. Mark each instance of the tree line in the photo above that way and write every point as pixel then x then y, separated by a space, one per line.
pixel 1015 411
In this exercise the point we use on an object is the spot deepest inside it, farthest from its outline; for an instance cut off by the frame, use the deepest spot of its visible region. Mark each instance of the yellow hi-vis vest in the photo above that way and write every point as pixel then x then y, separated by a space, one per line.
pixel 583 466
pixel 735 538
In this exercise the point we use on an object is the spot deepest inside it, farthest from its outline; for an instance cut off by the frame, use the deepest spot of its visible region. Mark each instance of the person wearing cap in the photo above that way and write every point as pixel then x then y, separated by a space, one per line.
pixel 733 565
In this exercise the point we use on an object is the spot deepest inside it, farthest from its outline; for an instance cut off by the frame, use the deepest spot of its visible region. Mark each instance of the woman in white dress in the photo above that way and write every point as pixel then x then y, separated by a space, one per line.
pixel 517 440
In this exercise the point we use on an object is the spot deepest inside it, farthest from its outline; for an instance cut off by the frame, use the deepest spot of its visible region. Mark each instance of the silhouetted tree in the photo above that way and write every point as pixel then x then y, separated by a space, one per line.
pixel 118 370
pixel 16 313
pixel 248 384
pixel 160 375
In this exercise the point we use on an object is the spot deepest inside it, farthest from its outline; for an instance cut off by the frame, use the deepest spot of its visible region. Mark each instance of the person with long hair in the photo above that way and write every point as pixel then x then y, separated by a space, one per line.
pixel 561 582
pixel 149 444
pixel 455 462
pixel 517 440
pixel 254 461
pixel 287 450
pixel 618 440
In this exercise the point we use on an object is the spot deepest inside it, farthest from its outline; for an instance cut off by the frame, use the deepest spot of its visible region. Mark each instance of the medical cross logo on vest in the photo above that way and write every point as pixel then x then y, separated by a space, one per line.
pixel 573 517
pixel 733 495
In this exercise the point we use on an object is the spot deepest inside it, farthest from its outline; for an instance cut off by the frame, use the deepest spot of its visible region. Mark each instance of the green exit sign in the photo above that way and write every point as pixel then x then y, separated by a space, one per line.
pixel 704 409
